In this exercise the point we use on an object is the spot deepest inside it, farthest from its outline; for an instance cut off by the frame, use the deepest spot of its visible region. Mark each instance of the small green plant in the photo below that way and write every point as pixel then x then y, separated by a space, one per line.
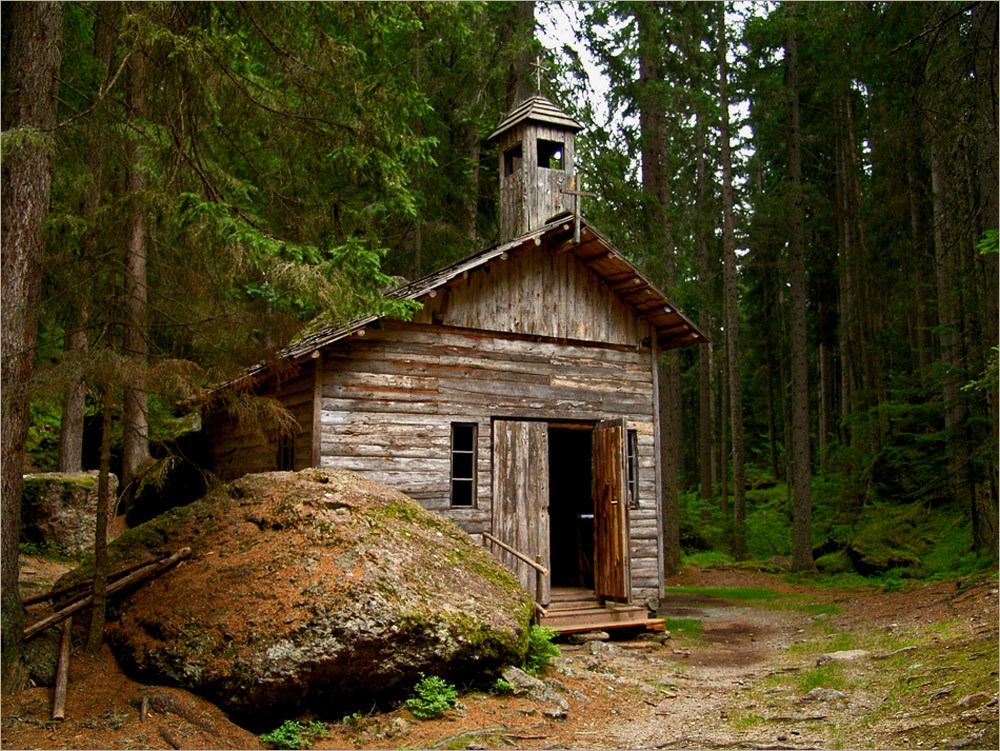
pixel 502 687
pixel 293 734
pixel 541 650
pixel 434 697
pixel 352 719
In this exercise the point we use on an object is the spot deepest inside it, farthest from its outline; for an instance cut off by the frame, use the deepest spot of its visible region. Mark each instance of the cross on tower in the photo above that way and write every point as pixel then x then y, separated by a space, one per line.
pixel 579 199
pixel 538 66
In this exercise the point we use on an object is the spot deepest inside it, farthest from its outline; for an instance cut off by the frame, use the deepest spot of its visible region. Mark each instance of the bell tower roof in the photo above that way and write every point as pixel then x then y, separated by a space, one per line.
pixel 538 109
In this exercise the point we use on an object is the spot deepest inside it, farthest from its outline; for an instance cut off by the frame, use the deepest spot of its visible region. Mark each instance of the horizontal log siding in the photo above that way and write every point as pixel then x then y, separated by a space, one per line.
pixel 537 293
pixel 236 450
pixel 389 398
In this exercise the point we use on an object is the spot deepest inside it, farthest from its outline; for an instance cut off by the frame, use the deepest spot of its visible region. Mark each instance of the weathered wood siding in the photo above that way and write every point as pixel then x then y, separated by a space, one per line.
pixel 236 450
pixel 389 399
pixel 539 293
pixel 532 194
pixel 521 499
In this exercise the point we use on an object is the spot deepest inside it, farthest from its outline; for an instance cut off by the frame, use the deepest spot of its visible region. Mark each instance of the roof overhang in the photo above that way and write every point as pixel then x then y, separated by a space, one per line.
pixel 673 328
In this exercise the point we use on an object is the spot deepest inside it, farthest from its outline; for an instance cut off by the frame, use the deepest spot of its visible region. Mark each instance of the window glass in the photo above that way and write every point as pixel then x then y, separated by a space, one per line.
pixel 463 464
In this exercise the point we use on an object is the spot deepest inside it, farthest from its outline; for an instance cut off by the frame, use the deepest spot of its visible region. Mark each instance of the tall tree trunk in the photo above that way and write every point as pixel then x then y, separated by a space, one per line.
pixel 99 606
pixel 520 82
pixel 71 424
pixel 723 432
pixel 985 513
pixel 731 297
pixel 948 321
pixel 802 557
pixel 656 184
pixel 32 34
pixel 704 320
pixel 135 420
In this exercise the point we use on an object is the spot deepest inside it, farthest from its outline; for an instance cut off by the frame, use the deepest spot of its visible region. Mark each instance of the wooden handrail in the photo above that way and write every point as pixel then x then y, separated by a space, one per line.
pixel 520 556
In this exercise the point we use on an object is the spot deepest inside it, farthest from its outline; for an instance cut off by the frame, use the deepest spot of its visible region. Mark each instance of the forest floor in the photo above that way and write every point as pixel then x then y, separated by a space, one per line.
pixel 752 662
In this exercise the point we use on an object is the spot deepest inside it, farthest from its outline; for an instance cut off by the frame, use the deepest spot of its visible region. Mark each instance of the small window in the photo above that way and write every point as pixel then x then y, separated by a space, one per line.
pixel 550 154
pixel 463 464
pixel 633 468
pixel 512 160
pixel 286 453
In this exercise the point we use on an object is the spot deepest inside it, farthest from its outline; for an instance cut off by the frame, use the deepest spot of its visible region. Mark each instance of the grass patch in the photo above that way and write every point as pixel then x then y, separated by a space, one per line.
pixel 690 628
pixel 830 675
pixel 737 594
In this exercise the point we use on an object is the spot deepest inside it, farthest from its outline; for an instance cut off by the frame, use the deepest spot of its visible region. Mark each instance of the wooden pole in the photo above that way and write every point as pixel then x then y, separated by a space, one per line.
pixel 537 566
pixel 63 590
pixel 62 672
pixel 134 578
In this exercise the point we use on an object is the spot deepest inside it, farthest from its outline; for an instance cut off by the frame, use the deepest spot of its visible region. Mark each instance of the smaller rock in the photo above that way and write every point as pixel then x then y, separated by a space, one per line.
pixel 660 637
pixel 824 694
pixel 603 649
pixel 555 714
pixel 399 726
pixel 532 688
pixel 974 700
pixel 588 636
pixel 847 655
pixel 475 747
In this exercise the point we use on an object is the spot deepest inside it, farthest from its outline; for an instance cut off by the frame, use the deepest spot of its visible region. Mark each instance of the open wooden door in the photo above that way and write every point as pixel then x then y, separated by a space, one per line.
pixel 611 567
pixel 521 499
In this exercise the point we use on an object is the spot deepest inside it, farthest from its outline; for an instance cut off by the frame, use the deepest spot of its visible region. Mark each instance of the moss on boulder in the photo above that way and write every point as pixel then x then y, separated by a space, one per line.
pixel 315 590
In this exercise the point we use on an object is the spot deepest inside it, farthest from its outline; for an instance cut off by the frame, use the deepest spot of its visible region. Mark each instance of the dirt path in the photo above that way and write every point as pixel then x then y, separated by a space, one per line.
pixel 914 669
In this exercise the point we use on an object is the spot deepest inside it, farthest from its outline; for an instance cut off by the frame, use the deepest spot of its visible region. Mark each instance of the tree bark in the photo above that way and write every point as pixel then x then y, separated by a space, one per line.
pixel 135 419
pixel 71 424
pixel 732 310
pixel 32 34
pixel 802 557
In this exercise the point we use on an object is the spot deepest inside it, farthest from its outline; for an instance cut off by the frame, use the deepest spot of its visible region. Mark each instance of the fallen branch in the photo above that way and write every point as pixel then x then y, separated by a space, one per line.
pixel 62 672
pixel 35 599
pixel 809 718
pixel 168 737
pixel 134 578
pixel 887 655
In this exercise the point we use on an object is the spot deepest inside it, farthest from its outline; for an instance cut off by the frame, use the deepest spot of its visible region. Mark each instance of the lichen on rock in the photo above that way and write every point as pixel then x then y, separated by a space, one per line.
pixel 313 591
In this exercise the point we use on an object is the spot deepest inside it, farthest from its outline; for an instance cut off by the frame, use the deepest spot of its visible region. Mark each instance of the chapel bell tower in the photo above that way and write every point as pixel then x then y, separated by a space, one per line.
pixel 536 166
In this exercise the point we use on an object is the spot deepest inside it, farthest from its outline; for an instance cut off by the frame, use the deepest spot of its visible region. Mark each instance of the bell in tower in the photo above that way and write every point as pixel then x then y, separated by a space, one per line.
pixel 536 165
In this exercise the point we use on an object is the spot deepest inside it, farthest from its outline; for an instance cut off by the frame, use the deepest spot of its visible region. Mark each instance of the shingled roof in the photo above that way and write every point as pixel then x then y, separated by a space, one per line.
pixel 539 109
pixel 673 328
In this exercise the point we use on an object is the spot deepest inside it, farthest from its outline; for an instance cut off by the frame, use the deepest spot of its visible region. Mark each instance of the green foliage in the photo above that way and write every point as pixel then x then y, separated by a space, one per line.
pixel 687 627
pixel 434 697
pixel 293 734
pixel 44 549
pixel 502 687
pixel 541 650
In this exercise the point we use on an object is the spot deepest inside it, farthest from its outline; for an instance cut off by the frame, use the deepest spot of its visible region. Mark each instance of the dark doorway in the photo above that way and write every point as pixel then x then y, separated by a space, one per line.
pixel 571 508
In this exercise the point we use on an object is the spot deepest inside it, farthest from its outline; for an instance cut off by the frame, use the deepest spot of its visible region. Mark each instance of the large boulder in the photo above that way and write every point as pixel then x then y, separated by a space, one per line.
pixel 317 590
pixel 61 509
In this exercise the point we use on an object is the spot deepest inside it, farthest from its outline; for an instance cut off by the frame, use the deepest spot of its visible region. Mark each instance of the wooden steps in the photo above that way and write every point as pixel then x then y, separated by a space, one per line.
pixel 573 610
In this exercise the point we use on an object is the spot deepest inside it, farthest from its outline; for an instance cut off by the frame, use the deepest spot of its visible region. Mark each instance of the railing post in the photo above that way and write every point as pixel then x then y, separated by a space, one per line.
pixel 540 574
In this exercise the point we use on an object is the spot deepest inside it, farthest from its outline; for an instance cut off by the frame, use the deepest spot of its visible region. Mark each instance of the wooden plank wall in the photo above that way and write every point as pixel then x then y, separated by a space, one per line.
pixel 389 398
pixel 532 195
pixel 236 450
pixel 536 292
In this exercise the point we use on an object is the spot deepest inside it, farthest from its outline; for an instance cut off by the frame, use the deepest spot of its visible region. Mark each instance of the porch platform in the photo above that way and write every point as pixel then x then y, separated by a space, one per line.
pixel 574 609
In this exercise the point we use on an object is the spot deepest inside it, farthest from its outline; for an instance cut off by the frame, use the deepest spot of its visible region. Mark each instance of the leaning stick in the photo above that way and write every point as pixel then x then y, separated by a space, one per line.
pixel 62 672
pixel 42 597
pixel 133 578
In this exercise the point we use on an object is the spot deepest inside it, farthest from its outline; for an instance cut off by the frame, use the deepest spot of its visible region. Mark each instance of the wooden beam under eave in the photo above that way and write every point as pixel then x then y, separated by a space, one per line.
pixel 607 255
